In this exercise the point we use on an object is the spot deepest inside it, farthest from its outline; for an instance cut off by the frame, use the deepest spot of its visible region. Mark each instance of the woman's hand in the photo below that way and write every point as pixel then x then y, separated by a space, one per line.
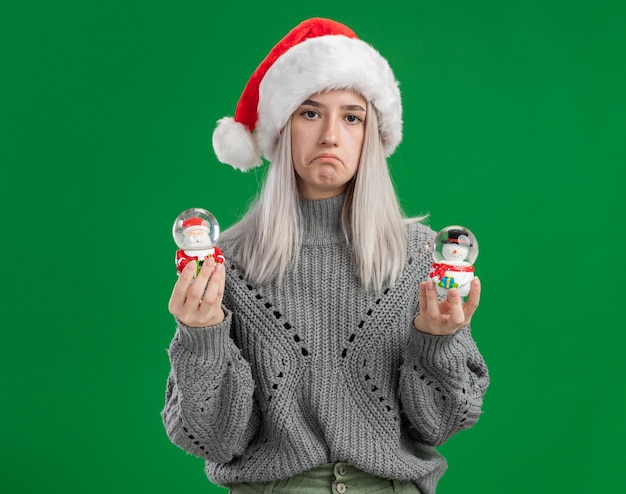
pixel 198 303
pixel 449 315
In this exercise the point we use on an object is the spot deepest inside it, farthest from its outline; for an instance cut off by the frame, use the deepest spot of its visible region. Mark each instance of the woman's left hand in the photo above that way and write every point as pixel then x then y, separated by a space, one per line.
pixel 449 315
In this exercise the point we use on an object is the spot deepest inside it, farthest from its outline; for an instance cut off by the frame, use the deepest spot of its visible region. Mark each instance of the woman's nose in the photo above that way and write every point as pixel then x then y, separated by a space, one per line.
pixel 329 132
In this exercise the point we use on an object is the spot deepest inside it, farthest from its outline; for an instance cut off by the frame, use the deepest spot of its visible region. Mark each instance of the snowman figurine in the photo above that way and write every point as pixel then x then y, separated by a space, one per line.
pixel 454 252
pixel 195 232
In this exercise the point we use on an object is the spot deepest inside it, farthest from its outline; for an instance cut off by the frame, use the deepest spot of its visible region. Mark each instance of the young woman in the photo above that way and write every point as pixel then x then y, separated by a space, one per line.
pixel 318 358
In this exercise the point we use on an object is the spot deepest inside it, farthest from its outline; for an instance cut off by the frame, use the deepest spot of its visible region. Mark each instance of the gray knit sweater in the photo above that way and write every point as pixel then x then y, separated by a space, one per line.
pixel 317 370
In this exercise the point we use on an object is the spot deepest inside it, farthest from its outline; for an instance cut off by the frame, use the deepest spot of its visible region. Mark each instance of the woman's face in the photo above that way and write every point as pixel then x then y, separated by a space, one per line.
pixel 327 132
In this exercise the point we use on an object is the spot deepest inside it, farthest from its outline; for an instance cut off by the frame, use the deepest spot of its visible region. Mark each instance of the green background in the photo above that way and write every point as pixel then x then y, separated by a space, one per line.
pixel 514 126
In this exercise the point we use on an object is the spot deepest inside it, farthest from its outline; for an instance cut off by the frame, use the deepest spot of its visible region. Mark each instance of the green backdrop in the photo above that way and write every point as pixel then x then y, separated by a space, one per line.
pixel 514 126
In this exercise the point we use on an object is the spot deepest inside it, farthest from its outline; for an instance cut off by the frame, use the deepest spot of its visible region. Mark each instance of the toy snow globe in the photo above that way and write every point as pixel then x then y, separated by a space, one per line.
pixel 195 232
pixel 454 252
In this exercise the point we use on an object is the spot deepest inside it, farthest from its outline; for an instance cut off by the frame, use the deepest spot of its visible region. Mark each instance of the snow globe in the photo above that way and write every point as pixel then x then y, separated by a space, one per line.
pixel 454 252
pixel 195 232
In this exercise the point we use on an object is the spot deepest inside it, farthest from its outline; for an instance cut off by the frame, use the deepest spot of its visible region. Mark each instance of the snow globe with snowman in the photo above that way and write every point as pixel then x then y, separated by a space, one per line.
pixel 454 252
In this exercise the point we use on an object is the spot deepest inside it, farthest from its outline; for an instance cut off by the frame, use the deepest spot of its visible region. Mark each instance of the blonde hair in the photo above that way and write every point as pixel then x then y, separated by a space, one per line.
pixel 267 239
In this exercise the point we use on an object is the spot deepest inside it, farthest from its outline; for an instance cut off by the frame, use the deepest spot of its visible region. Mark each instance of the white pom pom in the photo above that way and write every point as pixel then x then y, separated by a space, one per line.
pixel 235 145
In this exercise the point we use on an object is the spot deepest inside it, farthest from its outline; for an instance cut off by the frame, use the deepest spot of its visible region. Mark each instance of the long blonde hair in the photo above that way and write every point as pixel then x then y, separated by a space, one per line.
pixel 267 239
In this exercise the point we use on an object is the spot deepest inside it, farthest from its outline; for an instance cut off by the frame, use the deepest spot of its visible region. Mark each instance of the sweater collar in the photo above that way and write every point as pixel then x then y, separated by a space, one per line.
pixel 321 221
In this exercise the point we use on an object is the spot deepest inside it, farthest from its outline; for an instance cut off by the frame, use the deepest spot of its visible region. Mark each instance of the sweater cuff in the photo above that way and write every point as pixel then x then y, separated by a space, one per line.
pixel 209 342
pixel 448 351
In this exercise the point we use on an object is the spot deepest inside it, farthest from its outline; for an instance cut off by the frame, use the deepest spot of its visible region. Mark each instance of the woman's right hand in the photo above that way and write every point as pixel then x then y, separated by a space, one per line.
pixel 191 304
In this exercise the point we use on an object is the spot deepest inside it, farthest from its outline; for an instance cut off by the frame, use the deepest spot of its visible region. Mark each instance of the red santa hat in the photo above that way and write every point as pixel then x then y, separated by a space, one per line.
pixel 317 55
pixel 195 224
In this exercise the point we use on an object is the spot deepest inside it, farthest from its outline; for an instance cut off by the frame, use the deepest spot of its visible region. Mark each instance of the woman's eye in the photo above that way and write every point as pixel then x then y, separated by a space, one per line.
pixel 310 114
pixel 353 119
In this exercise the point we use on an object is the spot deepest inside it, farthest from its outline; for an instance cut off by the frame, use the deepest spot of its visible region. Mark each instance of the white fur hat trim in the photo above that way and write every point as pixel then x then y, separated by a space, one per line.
pixel 235 145
pixel 324 63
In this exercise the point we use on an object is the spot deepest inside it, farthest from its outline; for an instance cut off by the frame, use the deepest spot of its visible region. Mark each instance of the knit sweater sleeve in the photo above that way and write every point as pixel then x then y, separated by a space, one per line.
pixel 209 409
pixel 442 378
pixel 442 383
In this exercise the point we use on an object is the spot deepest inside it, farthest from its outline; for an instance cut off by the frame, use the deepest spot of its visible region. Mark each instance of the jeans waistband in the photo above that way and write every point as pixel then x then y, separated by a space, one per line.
pixel 338 478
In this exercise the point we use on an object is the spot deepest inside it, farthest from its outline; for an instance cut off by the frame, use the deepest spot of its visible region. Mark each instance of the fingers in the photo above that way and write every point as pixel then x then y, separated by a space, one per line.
pixel 211 305
pixel 432 307
pixel 471 304
pixel 457 316
pixel 449 315
pixel 179 293
pixel 215 288
pixel 430 319
pixel 197 302
pixel 199 285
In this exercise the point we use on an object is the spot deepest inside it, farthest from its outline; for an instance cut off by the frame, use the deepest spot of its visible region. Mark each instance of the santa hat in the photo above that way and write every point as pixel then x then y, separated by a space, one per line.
pixel 195 224
pixel 317 55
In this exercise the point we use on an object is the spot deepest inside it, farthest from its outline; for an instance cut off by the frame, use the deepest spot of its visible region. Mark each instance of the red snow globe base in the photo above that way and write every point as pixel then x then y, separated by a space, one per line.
pixel 195 232
pixel 454 252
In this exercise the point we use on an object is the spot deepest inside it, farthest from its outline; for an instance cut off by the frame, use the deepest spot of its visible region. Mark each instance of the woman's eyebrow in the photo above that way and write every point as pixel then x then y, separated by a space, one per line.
pixel 316 104
pixel 353 107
